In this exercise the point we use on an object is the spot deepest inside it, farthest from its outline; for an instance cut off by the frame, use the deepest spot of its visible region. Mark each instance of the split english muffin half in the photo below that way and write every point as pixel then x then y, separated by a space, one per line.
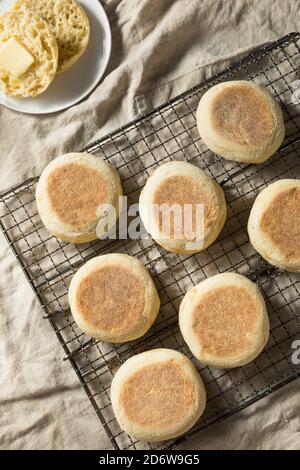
pixel 69 24
pixel 28 54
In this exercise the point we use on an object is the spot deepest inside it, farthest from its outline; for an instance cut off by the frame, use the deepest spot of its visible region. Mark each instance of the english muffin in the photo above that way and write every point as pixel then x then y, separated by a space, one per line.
pixel 69 24
pixel 73 194
pixel 199 203
pixel 157 395
pixel 274 224
pixel 29 54
pixel 224 321
pixel 113 298
pixel 241 121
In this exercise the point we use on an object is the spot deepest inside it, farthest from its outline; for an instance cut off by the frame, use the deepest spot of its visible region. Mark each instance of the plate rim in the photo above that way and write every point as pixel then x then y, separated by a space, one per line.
pixel 88 92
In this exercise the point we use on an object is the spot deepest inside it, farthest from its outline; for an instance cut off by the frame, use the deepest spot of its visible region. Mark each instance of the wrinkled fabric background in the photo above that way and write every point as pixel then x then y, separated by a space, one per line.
pixel 160 48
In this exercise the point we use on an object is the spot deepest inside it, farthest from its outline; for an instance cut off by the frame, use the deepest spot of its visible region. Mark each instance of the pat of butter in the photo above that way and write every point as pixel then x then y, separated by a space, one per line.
pixel 14 58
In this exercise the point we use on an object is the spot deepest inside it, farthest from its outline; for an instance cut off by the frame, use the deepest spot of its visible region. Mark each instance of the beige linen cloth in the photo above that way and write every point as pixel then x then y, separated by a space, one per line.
pixel 160 48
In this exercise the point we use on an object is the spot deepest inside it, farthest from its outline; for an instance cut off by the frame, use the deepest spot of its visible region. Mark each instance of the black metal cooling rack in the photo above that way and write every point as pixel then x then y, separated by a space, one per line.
pixel 170 132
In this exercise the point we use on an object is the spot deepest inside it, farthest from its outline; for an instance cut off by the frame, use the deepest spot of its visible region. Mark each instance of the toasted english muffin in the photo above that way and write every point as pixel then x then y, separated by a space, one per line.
pixel 157 395
pixel 224 321
pixel 200 203
pixel 274 224
pixel 240 120
pixel 113 298
pixel 73 195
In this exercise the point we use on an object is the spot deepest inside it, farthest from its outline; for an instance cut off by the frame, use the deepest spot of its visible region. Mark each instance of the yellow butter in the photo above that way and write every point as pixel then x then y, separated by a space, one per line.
pixel 14 58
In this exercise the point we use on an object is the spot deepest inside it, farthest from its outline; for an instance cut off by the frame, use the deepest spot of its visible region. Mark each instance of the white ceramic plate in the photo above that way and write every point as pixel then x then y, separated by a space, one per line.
pixel 75 84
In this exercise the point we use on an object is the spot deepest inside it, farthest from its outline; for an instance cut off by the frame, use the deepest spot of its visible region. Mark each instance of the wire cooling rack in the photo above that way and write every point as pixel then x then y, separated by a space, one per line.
pixel 170 132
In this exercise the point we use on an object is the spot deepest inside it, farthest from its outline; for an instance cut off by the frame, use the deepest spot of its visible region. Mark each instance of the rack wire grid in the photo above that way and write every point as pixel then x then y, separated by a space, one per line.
pixel 170 132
